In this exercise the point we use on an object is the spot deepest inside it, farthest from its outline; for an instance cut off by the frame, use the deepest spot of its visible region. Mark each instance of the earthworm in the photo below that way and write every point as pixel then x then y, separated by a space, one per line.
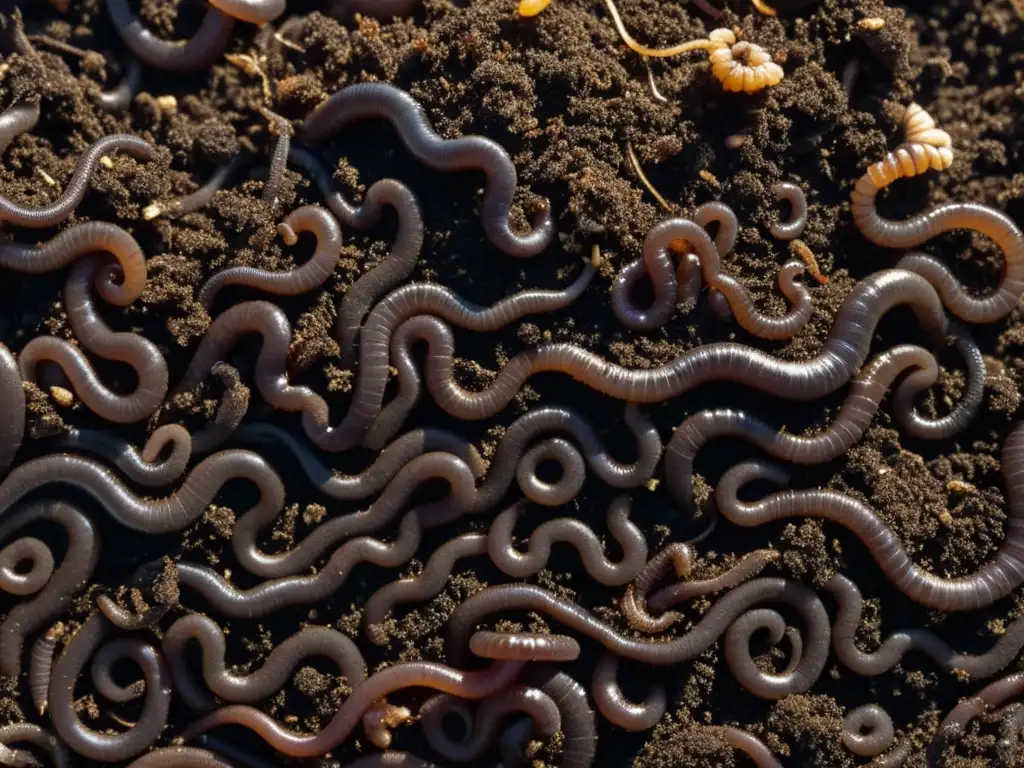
pixel 15 120
pixel 763 684
pixel 251 11
pixel 73 575
pixel 751 746
pixel 93 744
pixel 876 722
pixel 413 674
pixel 794 227
pixel 855 416
pixel 750 318
pixel 894 647
pixel 572 472
pixel 124 619
pixel 199 199
pixel 29 549
pixel 729 607
pixel 234 404
pixel 749 566
pixel 40 665
pixel 810 261
pixel 179 757
pixel 408 479
pixel 524 646
pixel 482 729
pixel 381 9
pixel 579 726
pixel 282 129
pixel 64 206
pixel 993 581
pixel 988 698
pixel 371 480
pixel 76 242
pixel 199 52
pixel 103 669
pixel 381 101
pixel 312 274
pixel 841 356
pixel 239 757
pixel 12 425
pixel 390 759
pixel 143 467
pixel 177 511
pixel 679 557
pixel 422 587
pixel 277 669
pixel 579 535
pixel 615 708
pixel 120 97
pixel 34 734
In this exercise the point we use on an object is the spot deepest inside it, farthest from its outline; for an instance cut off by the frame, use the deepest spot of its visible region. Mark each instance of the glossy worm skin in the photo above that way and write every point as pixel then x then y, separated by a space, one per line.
pixel 898 644
pixel 576 533
pixel 993 581
pixel 179 757
pixel 482 729
pixel 614 706
pixel 314 273
pixel 676 556
pixel 751 746
pixel 120 97
pixel 275 673
pixel 15 120
pixel 769 685
pixel 12 423
pixel 93 744
pixel 841 356
pixel 231 410
pixel 177 511
pixel 523 646
pixel 95 335
pixel 252 11
pixel 40 666
pixel 63 206
pixel 197 53
pixel 143 467
pixel 572 472
pixel 988 698
pixel 748 567
pixel 79 241
pixel 127 620
pixel 15 581
pixel 855 416
pixel 879 734
pixel 579 726
pixel 419 674
pixel 282 130
pixel 364 101
pixel 73 575
pixel 32 734
pixel 787 230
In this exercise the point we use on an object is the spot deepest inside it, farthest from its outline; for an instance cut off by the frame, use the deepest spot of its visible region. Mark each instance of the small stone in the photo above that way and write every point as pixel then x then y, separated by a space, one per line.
pixel 63 397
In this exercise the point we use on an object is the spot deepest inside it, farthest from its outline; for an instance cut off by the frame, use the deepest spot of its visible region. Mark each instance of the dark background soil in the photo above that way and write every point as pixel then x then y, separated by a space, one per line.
pixel 564 96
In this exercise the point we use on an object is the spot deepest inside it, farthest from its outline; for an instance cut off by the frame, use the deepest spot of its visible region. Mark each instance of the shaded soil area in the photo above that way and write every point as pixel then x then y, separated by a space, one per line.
pixel 564 96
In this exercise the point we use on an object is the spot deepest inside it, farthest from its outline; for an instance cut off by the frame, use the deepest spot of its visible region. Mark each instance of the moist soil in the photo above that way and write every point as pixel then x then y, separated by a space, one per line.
pixel 564 96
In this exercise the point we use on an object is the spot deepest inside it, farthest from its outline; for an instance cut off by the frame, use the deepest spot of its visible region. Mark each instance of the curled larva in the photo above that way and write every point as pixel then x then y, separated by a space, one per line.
pixel 742 66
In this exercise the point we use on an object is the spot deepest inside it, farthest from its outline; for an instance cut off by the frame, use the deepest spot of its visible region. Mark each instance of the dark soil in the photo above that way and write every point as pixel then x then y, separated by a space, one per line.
pixel 564 96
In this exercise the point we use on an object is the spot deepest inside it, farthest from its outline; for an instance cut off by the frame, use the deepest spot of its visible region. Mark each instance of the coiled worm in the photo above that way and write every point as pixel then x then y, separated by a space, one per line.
pixel 197 53
pixel 771 685
pixel 572 471
pixel 379 100
pixel 144 467
pixel 14 579
pixel 677 557
pixel 614 706
pixel 868 731
pixel 252 11
pixel 794 226
pixel 31 734
pixel 523 646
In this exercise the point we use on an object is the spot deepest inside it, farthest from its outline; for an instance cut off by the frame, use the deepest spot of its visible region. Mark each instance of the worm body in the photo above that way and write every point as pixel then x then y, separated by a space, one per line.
pixel 40 666
pixel 768 685
pixel 579 726
pixel 993 581
pixel 63 206
pixel 282 130
pixel 234 404
pixel 614 706
pixel 751 746
pixel 876 721
pixel 794 227
pixel 988 698
pixel 523 646
pixel 15 120
pixel 143 467
pixel 572 472
pixel 129 621
pixel 179 757
pixel 197 53
pixel 378 100
pixel 33 734
pixel 14 581
pixel 312 274
pixel 120 97
pixel 12 423
pixel 748 567
pixel 252 11
pixel 675 556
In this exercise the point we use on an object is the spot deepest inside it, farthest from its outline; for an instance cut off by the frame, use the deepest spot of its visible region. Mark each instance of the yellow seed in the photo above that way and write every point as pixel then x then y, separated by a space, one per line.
pixel 529 8
pixel 63 397
pixel 708 177
pixel 46 177
pixel 151 211
pixel 167 103
pixel 735 141
pixel 873 24
pixel 106 162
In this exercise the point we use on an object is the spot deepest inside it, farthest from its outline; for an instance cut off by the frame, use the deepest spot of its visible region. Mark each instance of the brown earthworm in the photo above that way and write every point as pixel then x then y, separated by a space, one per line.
pixel 93 744
pixel 579 726
pixel 769 685
pixel 120 97
pixel 408 479
pixel 988 698
pixel 614 706
pixel 482 729
pixel 179 757
pixel 94 335
pixel 412 674
pixel 14 580
pixel 40 666
pixel 127 620
pixel 749 566
pixel 102 671
pixel 794 227
pixel 385 102
pixel 12 425
pixel 197 53
pixel 570 531
pixel 251 11
pixel 422 587
pixel 275 673
pixel 314 273
pixel 714 623
pixel 371 480
pixel 993 581
pixel 34 734
pixel 79 241
pixel 381 9
pixel 868 731
pixel 73 575
pixel 143 467
pixel 894 647
pixel 855 416
pixel 524 646
pixel 17 119
pixel 841 356
pixel 678 557
pixel 281 128
pixel 751 746
pixel 64 206
pixel 572 472
pixel 234 404
pixel 177 511
pixel 239 756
